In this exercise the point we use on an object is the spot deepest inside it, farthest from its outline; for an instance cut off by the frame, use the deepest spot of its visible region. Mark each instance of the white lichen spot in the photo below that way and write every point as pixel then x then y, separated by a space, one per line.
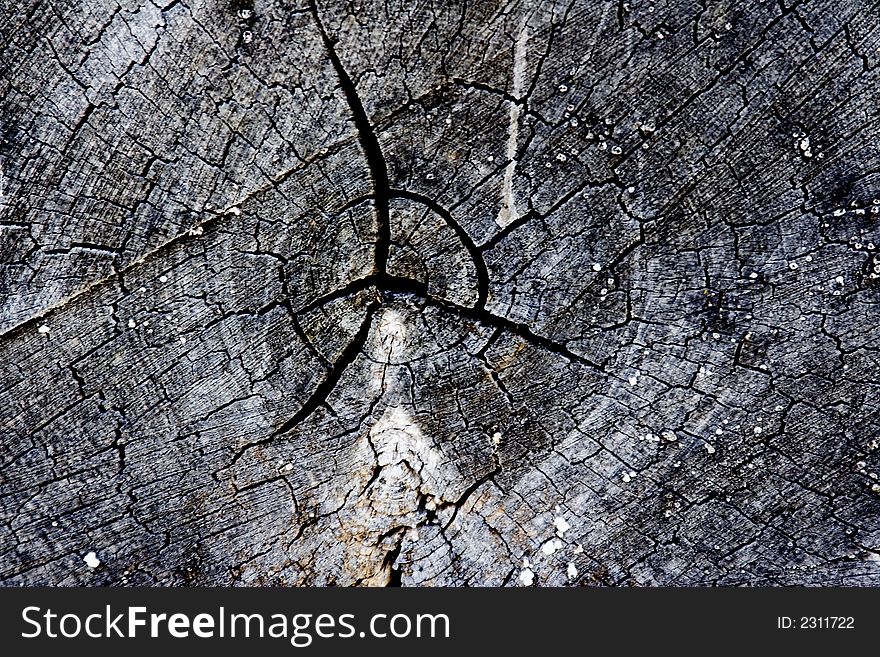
pixel 527 577
pixel 571 571
pixel 92 560
pixel 132 324
pixel 43 329
pixel 578 549
pixel 709 448
pixel 551 546
pixel 803 144
pixel 563 89
pixel 758 430
pixel 561 526
pixel 163 279
pixel 633 380
pixel 792 265
pixel 496 438
pixel 597 266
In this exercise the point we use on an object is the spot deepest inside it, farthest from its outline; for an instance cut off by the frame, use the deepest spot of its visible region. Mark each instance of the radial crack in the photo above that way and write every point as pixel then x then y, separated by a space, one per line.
pixel 370 144
pixel 346 358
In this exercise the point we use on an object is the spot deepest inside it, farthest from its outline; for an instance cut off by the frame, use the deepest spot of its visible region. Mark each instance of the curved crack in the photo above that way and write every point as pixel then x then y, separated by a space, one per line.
pixel 468 243
pixel 319 396
pixel 464 237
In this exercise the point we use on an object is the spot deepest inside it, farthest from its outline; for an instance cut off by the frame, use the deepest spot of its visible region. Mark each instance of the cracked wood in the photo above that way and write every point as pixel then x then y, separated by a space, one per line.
pixel 498 293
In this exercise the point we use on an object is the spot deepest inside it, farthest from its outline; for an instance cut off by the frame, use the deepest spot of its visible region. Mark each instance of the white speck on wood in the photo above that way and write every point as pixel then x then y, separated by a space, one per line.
pixel 561 526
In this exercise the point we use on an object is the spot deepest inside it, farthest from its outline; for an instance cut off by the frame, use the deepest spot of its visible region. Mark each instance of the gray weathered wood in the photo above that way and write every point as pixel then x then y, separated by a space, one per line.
pixel 439 293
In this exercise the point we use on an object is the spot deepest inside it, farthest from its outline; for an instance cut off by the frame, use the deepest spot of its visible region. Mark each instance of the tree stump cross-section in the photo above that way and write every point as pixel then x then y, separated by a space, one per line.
pixel 422 293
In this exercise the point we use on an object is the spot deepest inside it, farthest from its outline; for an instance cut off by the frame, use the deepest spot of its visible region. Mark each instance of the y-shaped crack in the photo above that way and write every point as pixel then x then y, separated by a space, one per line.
pixel 385 283
pixel 380 279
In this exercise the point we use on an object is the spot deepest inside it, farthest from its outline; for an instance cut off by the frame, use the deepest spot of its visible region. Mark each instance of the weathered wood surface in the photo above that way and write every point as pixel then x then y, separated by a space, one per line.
pixel 439 293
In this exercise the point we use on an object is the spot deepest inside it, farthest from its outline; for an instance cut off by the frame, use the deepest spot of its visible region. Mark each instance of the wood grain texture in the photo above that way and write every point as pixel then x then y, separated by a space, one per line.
pixel 439 293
